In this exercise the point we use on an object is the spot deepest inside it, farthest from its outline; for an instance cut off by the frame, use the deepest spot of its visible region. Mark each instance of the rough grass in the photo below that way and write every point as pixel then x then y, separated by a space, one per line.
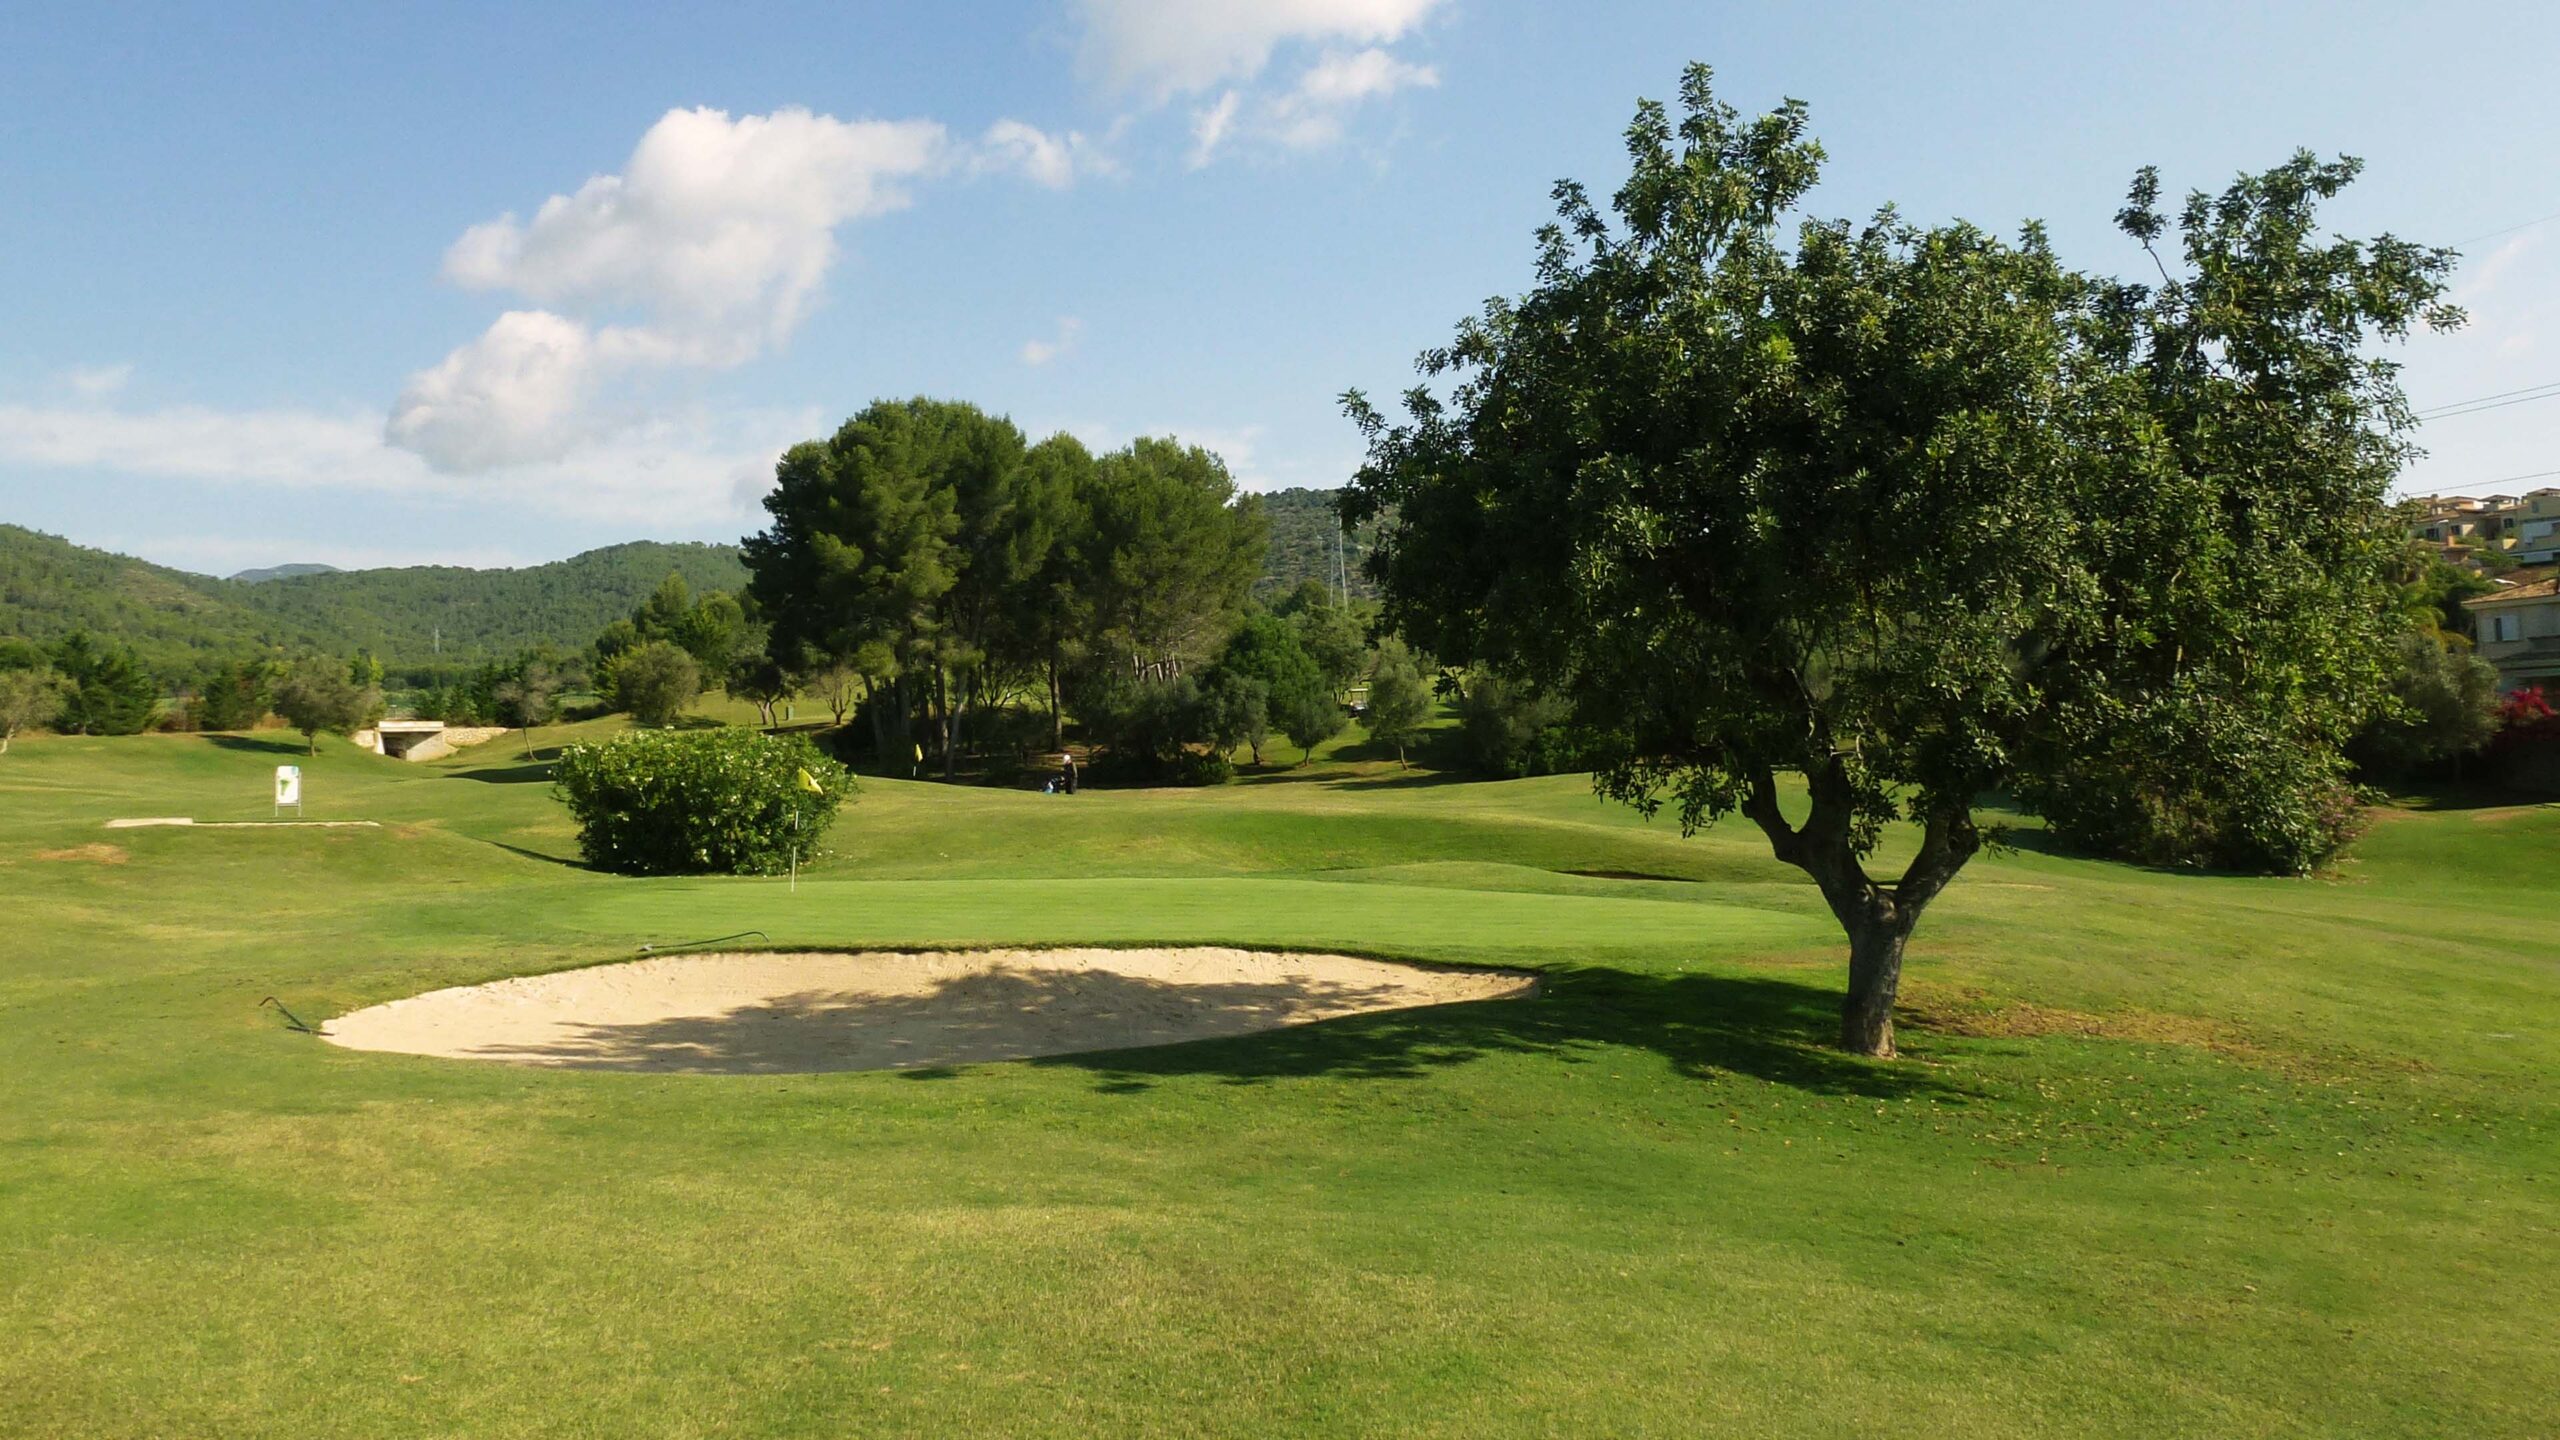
pixel 2170 1155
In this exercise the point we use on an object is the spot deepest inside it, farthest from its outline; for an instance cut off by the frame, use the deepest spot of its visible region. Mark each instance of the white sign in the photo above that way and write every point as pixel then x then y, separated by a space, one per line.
pixel 289 786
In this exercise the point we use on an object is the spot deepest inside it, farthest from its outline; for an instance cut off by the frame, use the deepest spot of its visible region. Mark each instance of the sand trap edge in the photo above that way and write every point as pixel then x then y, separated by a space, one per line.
pixel 772 1011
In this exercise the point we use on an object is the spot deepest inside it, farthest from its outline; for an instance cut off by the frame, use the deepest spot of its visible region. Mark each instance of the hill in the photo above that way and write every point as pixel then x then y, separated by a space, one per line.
pixel 1307 540
pixel 422 615
pixel 283 572
pixel 175 621
pixel 413 617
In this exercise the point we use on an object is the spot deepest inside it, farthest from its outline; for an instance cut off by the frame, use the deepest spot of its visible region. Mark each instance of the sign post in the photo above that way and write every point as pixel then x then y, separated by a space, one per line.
pixel 288 788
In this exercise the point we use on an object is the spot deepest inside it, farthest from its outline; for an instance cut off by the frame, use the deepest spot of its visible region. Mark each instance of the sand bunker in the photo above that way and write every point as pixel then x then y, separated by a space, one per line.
pixel 883 1010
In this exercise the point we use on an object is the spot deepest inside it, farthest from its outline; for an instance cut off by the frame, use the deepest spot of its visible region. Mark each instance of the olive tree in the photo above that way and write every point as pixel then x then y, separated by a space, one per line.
pixel 28 698
pixel 1828 506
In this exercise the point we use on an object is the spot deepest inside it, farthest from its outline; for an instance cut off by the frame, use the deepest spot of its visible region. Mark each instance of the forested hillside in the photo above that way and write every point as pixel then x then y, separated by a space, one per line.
pixel 414 616
pixel 180 624
pixel 1305 532
pixel 174 621
pixel 418 618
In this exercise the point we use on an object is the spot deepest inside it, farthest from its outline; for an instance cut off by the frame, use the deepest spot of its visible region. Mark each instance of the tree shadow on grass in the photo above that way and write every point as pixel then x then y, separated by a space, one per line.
pixel 1771 1030
pixel 528 773
pixel 1766 1029
pixel 288 743
pixel 1332 778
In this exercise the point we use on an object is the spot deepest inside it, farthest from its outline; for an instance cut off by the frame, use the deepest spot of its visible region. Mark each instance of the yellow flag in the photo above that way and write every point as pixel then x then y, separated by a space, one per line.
pixel 810 783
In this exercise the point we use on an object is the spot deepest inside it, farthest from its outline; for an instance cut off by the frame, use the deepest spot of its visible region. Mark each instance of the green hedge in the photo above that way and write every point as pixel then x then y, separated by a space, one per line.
pixel 692 802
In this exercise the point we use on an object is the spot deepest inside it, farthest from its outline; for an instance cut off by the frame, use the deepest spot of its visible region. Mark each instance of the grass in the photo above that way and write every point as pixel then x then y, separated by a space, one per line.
pixel 2169 1155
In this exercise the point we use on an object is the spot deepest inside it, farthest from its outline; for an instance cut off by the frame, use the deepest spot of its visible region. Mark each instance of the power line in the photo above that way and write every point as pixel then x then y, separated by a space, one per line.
pixel 2494 234
pixel 2475 407
pixel 2499 395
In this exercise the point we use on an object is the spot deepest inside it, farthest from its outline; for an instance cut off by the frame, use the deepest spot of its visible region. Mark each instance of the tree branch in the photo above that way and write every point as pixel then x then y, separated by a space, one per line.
pixel 1949 840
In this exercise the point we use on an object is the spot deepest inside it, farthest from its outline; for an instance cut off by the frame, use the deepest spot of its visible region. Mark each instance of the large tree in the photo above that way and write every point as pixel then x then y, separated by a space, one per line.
pixel 1171 553
pixel 1888 506
pixel 898 531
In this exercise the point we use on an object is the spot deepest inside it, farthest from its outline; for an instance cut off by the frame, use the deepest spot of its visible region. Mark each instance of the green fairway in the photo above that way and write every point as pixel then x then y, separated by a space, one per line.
pixel 2167 1155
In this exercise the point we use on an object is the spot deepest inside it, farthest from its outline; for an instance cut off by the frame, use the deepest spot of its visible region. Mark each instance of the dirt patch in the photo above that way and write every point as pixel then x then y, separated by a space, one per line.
pixel 92 854
pixel 1976 1016
pixel 798 1013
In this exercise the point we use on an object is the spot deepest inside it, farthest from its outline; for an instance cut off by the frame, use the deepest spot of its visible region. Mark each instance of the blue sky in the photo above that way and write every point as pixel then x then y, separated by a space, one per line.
pixel 491 285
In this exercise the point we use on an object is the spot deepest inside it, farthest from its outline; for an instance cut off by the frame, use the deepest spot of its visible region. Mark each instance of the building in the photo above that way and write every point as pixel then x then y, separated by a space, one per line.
pixel 2517 629
pixel 2467 520
pixel 2533 536
pixel 2526 526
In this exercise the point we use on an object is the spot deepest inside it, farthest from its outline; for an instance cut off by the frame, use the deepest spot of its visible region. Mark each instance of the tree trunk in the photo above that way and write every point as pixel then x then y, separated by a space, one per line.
pixel 942 698
pixel 1875 973
pixel 1057 721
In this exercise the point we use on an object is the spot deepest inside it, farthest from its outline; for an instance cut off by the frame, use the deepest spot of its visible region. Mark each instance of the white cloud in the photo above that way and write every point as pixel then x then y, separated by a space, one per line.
pixel 513 395
pixel 1055 161
pixel 1162 50
pixel 1313 113
pixel 1209 126
pixel 97 381
pixel 719 229
pixel 687 468
pixel 716 237
pixel 1041 352
pixel 1165 48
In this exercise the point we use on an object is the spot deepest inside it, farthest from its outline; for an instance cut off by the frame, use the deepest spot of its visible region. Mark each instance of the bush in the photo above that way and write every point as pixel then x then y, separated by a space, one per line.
pixel 2444 706
pixel 2277 812
pixel 692 802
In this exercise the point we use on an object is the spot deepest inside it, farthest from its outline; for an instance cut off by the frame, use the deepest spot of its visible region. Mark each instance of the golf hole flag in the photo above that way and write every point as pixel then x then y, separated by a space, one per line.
pixel 810 783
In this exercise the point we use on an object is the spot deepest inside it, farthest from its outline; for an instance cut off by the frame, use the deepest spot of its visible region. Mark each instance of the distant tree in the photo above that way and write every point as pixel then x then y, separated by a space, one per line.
pixel 28 698
pixel 320 695
pixel 109 692
pixel 1335 639
pixel 235 695
pixel 713 632
pixel 1172 553
pixel 1051 613
pixel 1301 701
pixel 836 684
pixel 1914 512
pixel 654 682
pixel 616 637
pixel 1235 709
pixel 1398 701
pixel 757 677
pixel 660 616
pixel 529 698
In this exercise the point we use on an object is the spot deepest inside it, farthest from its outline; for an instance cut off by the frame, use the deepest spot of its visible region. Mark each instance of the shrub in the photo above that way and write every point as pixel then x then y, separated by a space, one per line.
pixel 691 802
pixel 2272 813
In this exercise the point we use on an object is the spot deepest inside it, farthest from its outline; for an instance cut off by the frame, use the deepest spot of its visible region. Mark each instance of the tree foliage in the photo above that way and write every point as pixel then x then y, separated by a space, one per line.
pixel 1914 512
pixel 29 697
pixel 926 548
pixel 109 691
pixel 653 681
pixel 321 696
pixel 1399 703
